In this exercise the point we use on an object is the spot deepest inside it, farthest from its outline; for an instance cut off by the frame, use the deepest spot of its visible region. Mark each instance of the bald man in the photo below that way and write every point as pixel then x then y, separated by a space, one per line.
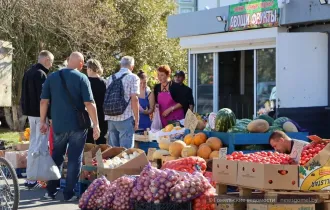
pixel 70 93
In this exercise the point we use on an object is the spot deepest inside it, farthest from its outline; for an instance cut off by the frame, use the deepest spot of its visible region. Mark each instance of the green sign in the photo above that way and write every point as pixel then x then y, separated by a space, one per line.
pixel 255 14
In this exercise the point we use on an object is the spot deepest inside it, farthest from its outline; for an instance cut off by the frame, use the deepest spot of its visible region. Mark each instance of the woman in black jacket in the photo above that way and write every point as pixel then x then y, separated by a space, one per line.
pixel 170 97
pixel 98 85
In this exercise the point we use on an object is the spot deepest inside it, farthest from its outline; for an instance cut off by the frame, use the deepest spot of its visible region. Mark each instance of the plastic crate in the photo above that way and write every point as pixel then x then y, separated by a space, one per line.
pixel 163 206
pixel 146 145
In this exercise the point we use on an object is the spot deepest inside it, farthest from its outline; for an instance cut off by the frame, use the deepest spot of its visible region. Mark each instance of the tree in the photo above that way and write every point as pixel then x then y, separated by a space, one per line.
pixel 102 29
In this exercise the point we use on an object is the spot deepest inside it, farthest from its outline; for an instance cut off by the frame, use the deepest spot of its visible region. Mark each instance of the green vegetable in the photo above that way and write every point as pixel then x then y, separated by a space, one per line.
pixel 280 121
pixel 224 120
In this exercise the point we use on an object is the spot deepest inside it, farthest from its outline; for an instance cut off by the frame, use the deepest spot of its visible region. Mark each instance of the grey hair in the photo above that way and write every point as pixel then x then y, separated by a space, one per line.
pixel 127 61
pixel 46 53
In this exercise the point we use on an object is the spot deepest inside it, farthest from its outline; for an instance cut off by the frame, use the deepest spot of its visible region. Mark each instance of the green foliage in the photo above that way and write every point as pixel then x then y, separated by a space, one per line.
pixel 105 30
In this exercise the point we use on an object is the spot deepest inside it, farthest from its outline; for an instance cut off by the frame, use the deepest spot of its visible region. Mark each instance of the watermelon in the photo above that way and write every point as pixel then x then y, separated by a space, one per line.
pixel 269 119
pixel 237 129
pixel 243 122
pixel 224 120
pixel 280 121
pixel 274 128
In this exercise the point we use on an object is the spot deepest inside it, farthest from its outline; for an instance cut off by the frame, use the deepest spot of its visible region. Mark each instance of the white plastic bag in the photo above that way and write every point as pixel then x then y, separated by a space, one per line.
pixel 40 165
pixel 156 124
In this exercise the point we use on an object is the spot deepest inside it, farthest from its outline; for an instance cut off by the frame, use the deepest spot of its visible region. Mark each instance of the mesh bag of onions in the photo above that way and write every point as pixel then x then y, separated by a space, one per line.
pixel 160 187
pixel 141 192
pixel 92 197
pixel 189 187
pixel 188 164
pixel 124 186
pixel 106 200
pixel 205 201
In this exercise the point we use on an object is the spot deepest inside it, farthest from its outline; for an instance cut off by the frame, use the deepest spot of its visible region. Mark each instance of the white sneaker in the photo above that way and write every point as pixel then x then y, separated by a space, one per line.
pixel 73 199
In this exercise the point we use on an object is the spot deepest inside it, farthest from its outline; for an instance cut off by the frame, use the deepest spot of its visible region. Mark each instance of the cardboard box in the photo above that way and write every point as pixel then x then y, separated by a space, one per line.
pixel 2 153
pixel 17 158
pixel 224 171
pixel 22 147
pixel 315 175
pixel 132 167
pixel 267 176
pixel 90 151
pixel 281 206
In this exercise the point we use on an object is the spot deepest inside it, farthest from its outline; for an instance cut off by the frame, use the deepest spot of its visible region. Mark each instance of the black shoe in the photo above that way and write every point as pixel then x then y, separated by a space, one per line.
pixel 34 186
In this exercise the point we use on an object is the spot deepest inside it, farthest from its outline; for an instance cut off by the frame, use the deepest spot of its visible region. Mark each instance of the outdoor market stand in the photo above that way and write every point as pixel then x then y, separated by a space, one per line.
pixel 229 66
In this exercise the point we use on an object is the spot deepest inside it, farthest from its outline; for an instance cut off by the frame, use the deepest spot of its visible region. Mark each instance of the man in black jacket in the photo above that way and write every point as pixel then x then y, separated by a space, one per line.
pixel 179 78
pixel 33 80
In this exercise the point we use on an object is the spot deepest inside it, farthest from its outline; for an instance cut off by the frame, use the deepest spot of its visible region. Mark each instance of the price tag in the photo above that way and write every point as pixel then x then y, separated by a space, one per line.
pixel 151 152
pixel 223 153
pixel 191 121
pixel 99 159
pixel 296 150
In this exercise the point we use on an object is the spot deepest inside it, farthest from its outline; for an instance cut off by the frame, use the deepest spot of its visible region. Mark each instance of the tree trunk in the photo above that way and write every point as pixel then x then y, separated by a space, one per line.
pixel 14 118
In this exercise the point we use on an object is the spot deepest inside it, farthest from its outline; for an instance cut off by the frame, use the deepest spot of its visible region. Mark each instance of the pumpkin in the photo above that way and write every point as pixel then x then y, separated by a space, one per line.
pixel 158 154
pixel 188 139
pixel 199 139
pixel 189 151
pixel 214 154
pixel 176 147
pixel 215 143
pixel 204 151
pixel 258 126
pixel 164 145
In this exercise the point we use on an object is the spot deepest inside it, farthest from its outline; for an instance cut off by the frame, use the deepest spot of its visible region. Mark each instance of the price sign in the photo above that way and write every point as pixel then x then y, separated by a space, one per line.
pixel 296 150
pixel 191 121
pixel 151 152
pixel 223 153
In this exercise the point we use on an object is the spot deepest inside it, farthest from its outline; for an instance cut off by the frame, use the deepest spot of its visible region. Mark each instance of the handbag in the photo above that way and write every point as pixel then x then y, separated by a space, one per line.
pixel 82 115
pixel 40 165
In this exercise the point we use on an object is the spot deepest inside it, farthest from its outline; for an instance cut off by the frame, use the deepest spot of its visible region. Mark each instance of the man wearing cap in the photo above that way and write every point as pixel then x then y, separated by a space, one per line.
pixel 179 78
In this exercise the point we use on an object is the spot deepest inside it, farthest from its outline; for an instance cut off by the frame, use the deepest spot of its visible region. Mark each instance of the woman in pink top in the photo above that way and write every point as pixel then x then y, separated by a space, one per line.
pixel 170 97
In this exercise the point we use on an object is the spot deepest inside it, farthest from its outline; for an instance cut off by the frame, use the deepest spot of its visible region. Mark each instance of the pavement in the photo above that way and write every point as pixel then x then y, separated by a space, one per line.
pixel 31 199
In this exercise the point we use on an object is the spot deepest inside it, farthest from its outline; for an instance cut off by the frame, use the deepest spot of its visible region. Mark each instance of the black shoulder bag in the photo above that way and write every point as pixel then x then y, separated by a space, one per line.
pixel 82 116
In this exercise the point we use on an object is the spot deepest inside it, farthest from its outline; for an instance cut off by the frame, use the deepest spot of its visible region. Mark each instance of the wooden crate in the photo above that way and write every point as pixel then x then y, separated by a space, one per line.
pixel 321 198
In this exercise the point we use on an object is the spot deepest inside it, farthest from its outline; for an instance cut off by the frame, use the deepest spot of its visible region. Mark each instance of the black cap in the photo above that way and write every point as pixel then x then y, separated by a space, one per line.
pixel 180 73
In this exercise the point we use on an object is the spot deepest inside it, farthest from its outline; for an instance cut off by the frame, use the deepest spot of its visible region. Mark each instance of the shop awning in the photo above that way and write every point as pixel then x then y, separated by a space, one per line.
pixel 231 41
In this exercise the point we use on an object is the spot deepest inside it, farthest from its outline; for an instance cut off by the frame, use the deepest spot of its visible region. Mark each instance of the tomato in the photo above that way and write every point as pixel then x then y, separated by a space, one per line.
pixel 269 153
pixel 240 153
pixel 302 162
pixel 310 155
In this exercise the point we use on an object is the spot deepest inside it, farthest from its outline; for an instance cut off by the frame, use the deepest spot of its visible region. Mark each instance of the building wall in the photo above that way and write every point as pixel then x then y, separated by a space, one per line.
pixel 316 119
pixel 186 6
pixel 202 4
pixel 196 23
pixel 304 11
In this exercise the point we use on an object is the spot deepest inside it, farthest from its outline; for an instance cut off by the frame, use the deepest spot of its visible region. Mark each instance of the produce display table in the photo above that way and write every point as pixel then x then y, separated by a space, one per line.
pixel 238 139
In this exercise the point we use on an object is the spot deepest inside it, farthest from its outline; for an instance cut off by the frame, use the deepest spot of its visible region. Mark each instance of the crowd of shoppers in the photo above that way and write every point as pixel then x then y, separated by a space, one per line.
pixel 82 108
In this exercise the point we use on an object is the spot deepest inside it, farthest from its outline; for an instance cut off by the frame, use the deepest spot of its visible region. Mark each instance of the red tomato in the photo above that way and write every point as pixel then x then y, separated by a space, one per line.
pixel 240 153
